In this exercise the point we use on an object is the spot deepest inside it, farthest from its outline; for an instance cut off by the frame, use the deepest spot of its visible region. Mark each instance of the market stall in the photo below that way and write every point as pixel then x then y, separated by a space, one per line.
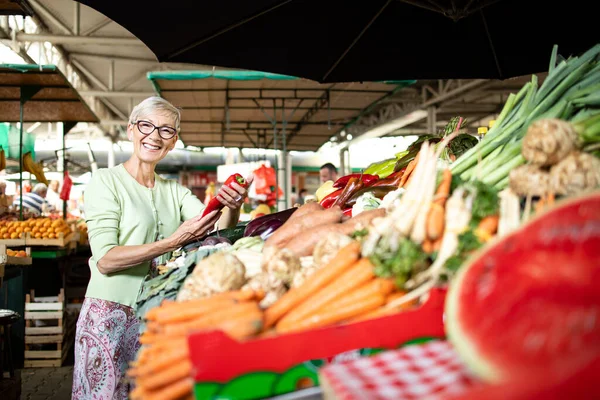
pixel 485 249
pixel 36 93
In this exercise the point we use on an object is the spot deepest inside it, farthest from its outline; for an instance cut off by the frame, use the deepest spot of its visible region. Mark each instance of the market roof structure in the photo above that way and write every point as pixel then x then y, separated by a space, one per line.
pixel 46 94
pixel 254 109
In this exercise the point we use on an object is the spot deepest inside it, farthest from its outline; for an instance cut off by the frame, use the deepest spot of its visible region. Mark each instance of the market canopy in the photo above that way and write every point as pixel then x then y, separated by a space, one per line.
pixel 376 40
pixel 46 95
pixel 241 108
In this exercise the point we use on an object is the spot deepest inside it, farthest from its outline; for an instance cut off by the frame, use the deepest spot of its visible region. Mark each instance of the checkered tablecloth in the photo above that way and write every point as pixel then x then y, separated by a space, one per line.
pixel 430 371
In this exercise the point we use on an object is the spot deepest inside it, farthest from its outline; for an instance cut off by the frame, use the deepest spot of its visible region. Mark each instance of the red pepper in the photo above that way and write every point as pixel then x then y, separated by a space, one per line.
pixel 367 179
pixel 328 200
pixel 215 204
pixel 348 212
pixel 353 185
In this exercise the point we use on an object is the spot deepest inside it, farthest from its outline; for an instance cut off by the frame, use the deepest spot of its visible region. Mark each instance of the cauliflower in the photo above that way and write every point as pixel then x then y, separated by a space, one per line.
pixel 328 247
pixel 220 272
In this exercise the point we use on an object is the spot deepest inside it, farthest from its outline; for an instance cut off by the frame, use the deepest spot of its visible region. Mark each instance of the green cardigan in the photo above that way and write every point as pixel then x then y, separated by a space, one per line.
pixel 119 211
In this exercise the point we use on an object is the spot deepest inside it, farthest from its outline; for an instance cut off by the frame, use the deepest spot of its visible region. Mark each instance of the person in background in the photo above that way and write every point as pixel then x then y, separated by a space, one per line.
pixel 301 196
pixel 328 172
pixel 135 219
pixel 53 197
pixel 35 201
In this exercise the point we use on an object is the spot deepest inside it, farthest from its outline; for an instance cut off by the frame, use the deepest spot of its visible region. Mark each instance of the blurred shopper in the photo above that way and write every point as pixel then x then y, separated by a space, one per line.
pixel 34 202
pixel 134 219
pixel 328 172
pixel 53 195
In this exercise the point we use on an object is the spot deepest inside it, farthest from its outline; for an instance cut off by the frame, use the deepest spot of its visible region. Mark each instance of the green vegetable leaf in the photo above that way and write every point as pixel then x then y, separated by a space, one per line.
pixel 485 202
pixel 461 143
pixel 360 234
pixel 401 264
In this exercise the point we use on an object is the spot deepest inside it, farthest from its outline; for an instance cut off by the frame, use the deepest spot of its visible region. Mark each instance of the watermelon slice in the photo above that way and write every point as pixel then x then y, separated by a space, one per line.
pixel 530 302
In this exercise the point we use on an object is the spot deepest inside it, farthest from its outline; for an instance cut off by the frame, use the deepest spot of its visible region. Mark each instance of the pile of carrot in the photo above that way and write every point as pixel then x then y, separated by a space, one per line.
pixel 162 370
pixel 345 290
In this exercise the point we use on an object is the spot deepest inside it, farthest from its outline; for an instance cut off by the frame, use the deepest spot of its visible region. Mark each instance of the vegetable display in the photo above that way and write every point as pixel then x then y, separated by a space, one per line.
pixel 376 242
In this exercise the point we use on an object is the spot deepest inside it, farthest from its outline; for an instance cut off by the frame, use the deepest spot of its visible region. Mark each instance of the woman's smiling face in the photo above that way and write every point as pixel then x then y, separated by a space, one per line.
pixel 151 148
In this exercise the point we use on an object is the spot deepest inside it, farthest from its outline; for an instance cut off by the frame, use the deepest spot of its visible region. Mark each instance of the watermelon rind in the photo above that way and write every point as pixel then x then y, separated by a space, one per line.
pixel 456 333
pixel 459 338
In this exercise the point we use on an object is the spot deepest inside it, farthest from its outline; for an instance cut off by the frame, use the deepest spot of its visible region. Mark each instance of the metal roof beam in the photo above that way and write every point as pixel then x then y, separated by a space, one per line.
pixel 100 93
pixel 81 40
pixel 46 14
pixel 96 27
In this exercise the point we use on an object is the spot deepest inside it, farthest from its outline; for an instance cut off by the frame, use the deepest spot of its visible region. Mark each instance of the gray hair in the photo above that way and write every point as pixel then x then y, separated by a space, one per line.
pixel 153 104
pixel 39 188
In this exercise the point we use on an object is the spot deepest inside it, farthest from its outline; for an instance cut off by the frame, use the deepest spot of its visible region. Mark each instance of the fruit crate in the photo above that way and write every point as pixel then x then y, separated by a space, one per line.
pixel 61 241
pixel 9 259
pixel 48 336
pixel 17 242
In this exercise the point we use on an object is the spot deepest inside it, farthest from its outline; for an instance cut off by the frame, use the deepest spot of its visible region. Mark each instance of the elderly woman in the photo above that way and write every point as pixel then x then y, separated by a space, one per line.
pixel 133 216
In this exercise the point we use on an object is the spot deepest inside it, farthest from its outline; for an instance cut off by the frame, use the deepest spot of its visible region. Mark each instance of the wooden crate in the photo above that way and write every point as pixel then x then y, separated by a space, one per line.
pixel 48 345
pixel 10 260
pixel 60 241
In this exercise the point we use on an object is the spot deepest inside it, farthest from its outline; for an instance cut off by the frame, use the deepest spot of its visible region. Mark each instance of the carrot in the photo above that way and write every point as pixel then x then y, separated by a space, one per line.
pixel 443 191
pixel 167 376
pixel 292 228
pixel 329 316
pixel 174 391
pixel 550 198
pixel 540 205
pixel 436 218
pixel 192 309
pixel 409 169
pixel 489 225
pixel 259 294
pixel 376 286
pixel 377 313
pixel 360 273
pixel 162 360
pixel 242 328
pixel 214 318
pixel 427 246
pixel 158 313
pixel 296 295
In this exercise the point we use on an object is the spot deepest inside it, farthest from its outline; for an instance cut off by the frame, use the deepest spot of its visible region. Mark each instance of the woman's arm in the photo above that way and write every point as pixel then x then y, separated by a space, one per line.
pixel 230 218
pixel 122 257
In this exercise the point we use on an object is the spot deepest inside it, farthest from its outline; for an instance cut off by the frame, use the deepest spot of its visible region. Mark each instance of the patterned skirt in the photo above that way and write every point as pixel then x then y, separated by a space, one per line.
pixel 105 342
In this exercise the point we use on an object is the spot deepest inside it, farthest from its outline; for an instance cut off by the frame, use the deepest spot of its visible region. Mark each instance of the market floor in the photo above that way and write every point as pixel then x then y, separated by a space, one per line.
pixel 46 383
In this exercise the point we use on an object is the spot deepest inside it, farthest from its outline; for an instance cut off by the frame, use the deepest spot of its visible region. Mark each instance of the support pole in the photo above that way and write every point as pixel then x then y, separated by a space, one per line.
pixel 76 19
pixel 431 119
pixel 27 92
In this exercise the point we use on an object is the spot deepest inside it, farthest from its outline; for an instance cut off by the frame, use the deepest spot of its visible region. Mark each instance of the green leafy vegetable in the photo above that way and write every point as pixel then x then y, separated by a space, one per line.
pixel 407 260
pixel 485 202
pixel 467 243
pixel 359 234
pixel 461 143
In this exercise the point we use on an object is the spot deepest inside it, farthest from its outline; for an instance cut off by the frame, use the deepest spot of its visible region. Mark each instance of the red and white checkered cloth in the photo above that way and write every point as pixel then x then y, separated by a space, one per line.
pixel 428 371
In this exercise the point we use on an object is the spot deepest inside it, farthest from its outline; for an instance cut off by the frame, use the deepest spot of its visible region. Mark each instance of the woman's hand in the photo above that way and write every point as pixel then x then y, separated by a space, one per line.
pixel 233 197
pixel 194 228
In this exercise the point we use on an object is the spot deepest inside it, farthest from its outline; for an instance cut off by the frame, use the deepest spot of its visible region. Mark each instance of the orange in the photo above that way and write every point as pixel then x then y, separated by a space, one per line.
pixel 38 235
pixel 14 235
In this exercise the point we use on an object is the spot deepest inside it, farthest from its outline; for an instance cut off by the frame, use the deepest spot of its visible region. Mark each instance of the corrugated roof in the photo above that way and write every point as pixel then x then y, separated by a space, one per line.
pixel 238 108
pixel 54 99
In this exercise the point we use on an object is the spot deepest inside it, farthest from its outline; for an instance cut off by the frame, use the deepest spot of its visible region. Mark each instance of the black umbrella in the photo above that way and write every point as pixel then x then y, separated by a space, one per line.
pixel 374 40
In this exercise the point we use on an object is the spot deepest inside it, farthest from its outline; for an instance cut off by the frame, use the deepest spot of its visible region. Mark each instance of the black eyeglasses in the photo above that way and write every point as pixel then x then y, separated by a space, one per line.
pixel 147 127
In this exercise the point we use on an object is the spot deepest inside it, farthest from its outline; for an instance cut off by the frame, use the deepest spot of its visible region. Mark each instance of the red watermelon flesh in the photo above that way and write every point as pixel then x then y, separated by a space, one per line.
pixel 531 301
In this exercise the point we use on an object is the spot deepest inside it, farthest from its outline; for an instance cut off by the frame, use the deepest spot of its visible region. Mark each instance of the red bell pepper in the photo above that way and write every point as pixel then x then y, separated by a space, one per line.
pixel 328 200
pixel 366 179
pixel 215 204
pixel 348 212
